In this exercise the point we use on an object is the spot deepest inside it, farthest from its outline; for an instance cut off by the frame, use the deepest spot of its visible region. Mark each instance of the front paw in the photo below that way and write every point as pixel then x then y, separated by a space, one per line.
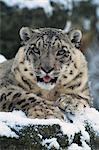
pixel 71 105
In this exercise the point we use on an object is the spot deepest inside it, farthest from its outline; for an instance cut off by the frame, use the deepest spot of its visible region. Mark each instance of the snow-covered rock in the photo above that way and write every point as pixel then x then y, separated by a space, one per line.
pixel 50 133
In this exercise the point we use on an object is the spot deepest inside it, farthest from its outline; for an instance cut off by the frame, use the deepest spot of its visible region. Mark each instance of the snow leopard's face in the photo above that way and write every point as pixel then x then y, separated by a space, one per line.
pixel 48 51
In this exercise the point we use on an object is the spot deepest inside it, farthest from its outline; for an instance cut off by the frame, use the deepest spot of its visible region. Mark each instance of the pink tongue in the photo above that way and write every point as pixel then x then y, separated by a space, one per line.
pixel 46 78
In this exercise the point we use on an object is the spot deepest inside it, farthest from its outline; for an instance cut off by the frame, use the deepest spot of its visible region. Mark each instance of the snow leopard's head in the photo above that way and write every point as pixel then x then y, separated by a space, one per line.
pixel 47 51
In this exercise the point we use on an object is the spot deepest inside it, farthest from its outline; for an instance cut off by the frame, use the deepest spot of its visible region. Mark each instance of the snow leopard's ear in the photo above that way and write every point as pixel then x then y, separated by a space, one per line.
pixel 25 33
pixel 75 36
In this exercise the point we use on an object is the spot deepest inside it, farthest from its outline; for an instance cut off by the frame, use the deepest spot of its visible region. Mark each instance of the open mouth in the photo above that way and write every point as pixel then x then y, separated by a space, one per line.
pixel 46 79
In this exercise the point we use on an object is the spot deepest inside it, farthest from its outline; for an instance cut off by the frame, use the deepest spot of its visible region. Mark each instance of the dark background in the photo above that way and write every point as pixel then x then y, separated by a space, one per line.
pixel 13 18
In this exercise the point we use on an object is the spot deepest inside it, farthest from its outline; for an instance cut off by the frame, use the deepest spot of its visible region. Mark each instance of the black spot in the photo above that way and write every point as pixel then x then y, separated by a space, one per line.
pixel 71 87
pixel 41 109
pixel 79 84
pixel 25 69
pixel 16 95
pixel 73 40
pixel 38 103
pixel 25 110
pixel 66 55
pixel 32 99
pixel 64 76
pixel 68 64
pixel 44 102
pixel 26 82
pixel 9 93
pixel 39 94
pixel 80 97
pixel 55 93
pixel 35 109
pixel 26 104
pixel 2 84
pixel 70 58
pixel 21 62
pixel 61 109
pixel 3 97
pixel 21 101
pixel 71 72
pixel 64 84
pixel 46 107
pixel 27 93
pixel 78 76
pixel 71 121
pixel 20 85
pixel 61 61
pixel 31 74
pixel 4 106
pixel 75 66
pixel 11 107
pixel 72 113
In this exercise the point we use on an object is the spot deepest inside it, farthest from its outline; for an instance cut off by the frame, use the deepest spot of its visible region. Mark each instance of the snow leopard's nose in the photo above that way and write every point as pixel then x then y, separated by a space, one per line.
pixel 47 69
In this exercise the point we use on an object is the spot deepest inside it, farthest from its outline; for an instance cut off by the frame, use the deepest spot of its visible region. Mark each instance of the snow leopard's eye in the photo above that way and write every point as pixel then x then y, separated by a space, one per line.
pixel 61 52
pixel 35 50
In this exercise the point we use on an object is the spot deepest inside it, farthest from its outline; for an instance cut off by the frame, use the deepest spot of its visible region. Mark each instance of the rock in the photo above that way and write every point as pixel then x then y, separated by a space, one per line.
pixel 34 138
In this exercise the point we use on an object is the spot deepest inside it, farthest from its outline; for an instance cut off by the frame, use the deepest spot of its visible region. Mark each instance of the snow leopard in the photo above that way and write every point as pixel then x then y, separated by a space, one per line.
pixel 48 77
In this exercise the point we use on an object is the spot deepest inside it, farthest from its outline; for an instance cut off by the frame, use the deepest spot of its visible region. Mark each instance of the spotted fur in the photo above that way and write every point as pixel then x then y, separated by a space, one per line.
pixel 48 76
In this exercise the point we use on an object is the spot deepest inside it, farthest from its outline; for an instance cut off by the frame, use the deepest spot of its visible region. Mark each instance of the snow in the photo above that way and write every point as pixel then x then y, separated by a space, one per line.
pixel 39 3
pixel 87 24
pixel 17 120
pixel 31 4
pixel 85 146
pixel 97 11
pixel 6 131
pixel 2 58
pixel 75 146
pixel 67 26
pixel 95 2
pixel 51 142
pixel 68 4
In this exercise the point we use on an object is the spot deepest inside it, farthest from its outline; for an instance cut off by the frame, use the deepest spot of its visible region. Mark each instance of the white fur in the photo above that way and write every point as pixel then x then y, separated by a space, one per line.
pixel 46 86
